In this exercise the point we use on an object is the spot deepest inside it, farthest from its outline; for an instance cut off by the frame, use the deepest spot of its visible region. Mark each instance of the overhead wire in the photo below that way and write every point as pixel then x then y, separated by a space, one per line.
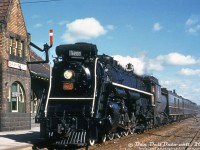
pixel 39 1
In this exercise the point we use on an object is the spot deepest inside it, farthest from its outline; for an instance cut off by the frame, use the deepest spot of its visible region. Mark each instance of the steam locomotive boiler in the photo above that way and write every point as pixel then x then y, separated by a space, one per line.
pixel 92 98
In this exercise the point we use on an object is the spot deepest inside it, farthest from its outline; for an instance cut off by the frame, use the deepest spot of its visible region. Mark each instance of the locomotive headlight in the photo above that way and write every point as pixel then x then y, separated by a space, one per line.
pixel 68 74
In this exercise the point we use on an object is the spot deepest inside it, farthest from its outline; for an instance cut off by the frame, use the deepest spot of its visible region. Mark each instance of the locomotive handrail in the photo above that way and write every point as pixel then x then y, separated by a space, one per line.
pixel 134 89
pixel 130 88
pixel 45 111
pixel 95 86
pixel 71 98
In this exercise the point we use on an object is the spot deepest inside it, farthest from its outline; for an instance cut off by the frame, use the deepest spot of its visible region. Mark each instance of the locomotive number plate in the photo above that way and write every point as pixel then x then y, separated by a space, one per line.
pixel 68 86
pixel 75 53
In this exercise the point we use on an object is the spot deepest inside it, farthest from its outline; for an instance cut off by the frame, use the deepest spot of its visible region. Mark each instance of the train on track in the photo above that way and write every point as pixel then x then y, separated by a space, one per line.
pixel 91 98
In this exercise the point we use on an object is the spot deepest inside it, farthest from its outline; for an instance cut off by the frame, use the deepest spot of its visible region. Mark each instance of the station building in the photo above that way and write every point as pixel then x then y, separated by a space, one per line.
pixel 19 89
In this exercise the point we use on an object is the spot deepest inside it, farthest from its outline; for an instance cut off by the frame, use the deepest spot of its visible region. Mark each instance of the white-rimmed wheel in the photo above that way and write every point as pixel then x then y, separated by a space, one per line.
pixel 117 135
pixel 125 133
pixel 111 136
pixel 132 130
pixel 91 142
pixel 103 138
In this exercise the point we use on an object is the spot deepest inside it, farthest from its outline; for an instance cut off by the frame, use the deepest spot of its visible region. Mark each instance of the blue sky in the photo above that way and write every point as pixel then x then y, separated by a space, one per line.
pixel 159 37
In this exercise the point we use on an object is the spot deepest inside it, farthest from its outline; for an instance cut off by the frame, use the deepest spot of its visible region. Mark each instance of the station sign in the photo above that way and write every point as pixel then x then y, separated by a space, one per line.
pixel 16 94
pixel 16 65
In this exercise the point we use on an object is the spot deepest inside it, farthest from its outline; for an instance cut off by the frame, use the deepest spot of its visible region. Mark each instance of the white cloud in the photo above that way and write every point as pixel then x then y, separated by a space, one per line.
pixel 183 88
pixel 35 16
pixel 63 22
pixel 174 84
pixel 83 29
pixel 194 29
pixel 110 27
pixel 138 63
pixel 191 21
pixel 176 59
pixel 130 26
pixel 192 25
pixel 157 27
pixel 143 65
pixel 38 25
pixel 50 22
pixel 189 72
pixel 155 65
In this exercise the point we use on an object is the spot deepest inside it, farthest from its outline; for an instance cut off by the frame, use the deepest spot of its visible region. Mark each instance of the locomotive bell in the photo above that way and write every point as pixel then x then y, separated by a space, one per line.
pixel 129 67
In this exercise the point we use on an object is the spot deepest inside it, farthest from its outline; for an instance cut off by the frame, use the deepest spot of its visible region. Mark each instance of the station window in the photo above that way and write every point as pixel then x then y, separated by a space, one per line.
pixel 16 98
pixel 174 102
pixel 178 105
pixel 16 47
pixel 20 49
pixel 12 46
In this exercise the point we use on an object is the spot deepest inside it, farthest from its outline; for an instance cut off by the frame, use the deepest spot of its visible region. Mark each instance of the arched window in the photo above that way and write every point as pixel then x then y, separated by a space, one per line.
pixel 16 98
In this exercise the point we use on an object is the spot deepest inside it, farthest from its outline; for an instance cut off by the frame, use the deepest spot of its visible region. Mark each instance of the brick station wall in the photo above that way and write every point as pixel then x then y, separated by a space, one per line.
pixel 14 26
pixel 15 121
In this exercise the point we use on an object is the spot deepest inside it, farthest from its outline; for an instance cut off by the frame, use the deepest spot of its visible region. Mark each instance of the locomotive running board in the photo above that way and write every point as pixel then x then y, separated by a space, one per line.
pixel 136 90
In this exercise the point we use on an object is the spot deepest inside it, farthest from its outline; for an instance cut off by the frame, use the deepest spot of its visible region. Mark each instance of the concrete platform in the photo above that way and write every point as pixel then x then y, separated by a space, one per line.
pixel 19 140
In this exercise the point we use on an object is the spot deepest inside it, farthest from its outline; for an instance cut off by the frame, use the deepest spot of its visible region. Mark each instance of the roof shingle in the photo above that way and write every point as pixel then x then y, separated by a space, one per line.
pixel 41 70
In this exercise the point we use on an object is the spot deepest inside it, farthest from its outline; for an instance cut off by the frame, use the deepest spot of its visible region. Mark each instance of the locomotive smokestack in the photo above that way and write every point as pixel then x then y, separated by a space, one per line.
pixel 129 67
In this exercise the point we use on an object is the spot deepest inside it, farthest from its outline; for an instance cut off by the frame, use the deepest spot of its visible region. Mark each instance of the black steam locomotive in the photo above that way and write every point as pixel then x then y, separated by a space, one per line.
pixel 91 98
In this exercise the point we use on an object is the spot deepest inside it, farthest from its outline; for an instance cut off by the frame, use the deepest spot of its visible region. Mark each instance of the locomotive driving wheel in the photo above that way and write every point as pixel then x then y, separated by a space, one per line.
pixel 117 135
pixel 150 124
pixel 91 142
pixel 132 130
pixel 101 137
pixel 111 136
pixel 125 133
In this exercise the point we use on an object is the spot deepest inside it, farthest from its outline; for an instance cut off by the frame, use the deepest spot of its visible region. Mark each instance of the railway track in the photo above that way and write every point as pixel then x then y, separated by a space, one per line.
pixel 184 135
